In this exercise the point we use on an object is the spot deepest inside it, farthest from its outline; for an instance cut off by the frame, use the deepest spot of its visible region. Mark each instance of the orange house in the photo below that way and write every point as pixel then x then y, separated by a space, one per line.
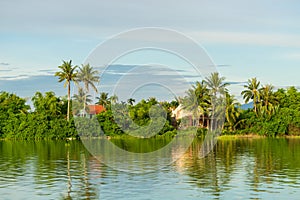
pixel 95 109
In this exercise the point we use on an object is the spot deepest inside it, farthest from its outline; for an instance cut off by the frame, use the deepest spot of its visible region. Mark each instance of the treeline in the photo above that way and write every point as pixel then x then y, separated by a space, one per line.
pixel 273 113
pixel 48 121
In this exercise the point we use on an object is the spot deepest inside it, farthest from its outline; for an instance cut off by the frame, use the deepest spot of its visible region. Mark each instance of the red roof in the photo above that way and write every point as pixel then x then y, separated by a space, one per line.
pixel 95 109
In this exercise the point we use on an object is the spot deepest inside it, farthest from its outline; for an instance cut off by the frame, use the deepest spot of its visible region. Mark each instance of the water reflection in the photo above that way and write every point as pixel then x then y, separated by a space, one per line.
pixel 248 167
pixel 241 168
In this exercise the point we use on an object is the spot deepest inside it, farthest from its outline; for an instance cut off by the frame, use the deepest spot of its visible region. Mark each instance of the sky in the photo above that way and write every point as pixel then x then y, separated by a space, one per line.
pixel 244 39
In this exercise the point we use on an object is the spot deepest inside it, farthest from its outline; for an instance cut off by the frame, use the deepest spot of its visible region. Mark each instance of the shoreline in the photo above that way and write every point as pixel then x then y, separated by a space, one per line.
pixel 221 137
pixel 254 136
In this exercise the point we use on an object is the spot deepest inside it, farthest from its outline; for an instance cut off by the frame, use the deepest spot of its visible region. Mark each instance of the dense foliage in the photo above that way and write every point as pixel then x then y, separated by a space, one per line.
pixel 274 113
pixel 280 118
pixel 46 122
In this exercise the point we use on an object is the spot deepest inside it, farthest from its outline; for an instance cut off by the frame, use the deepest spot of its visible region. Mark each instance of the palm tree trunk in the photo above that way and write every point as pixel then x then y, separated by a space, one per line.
pixel 84 103
pixel 68 111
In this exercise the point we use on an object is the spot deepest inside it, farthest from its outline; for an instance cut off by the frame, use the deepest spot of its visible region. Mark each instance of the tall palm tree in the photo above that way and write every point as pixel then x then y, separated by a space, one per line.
pixel 67 74
pixel 217 88
pixel 88 76
pixel 252 91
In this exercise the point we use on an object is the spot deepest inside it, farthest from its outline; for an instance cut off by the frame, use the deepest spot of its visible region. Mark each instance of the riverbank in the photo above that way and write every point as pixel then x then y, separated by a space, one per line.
pixel 254 136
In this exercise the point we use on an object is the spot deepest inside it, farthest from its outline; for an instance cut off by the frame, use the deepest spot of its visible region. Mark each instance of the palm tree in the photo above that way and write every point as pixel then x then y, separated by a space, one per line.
pixel 130 101
pixel 88 76
pixel 67 74
pixel 252 92
pixel 232 112
pixel 190 104
pixel 113 99
pixel 81 100
pixel 103 99
pixel 217 86
pixel 268 99
pixel 215 83
pixel 202 95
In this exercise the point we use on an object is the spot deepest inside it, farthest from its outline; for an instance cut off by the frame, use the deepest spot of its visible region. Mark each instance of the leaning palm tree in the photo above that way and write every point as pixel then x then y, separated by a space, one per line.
pixel 67 74
pixel 88 76
pixel 252 91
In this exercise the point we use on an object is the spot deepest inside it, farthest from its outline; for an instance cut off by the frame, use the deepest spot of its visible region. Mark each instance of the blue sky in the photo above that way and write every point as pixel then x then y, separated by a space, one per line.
pixel 245 39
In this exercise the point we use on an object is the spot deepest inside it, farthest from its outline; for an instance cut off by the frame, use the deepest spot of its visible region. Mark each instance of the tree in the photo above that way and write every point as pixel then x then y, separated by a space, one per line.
pixel 190 104
pixel 232 112
pixel 252 91
pixel 67 74
pixel 217 88
pixel 113 99
pixel 203 98
pixel 268 99
pixel 215 83
pixel 130 101
pixel 11 103
pixel 88 76
pixel 81 100
pixel 47 104
pixel 103 99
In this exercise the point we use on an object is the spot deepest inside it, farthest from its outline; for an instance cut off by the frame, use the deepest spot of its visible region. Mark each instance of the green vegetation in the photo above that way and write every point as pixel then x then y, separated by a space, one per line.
pixel 67 74
pixel 274 113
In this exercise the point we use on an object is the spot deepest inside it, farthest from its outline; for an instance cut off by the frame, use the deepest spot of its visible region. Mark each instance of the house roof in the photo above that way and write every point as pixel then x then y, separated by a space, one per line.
pixel 180 112
pixel 95 109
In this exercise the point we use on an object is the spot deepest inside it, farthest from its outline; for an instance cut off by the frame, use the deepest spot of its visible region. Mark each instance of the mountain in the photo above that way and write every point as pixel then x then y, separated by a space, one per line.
pixel 246 106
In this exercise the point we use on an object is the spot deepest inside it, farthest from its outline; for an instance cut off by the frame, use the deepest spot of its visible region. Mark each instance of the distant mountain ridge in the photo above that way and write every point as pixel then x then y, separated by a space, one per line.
pixel 246 106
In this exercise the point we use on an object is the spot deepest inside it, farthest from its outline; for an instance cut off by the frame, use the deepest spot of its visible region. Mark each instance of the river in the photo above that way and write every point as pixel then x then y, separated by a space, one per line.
pixel 265 168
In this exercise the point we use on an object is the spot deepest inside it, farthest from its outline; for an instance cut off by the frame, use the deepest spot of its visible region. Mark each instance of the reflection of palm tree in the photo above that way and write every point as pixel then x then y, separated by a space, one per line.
pixel 88 76
pixel 67 74
pixel 69 174
pixel 252 91
pixel 81 100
